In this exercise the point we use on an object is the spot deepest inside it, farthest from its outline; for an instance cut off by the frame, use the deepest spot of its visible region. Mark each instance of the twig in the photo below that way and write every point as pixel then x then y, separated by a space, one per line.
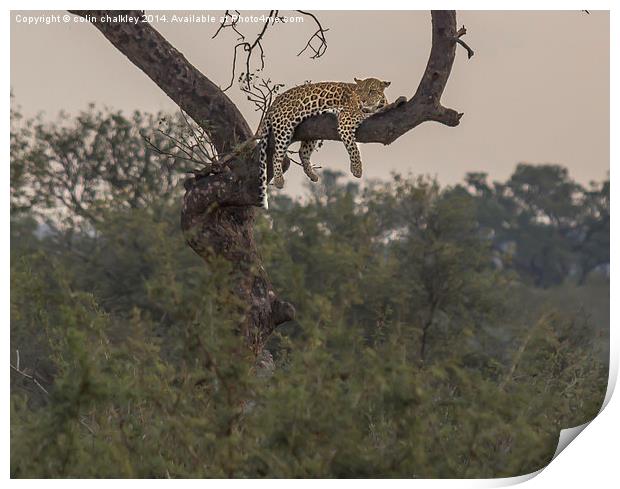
pixel 208 153
pixel 231 21
pixel 27 376
pixel 517 358
pixel 162 152
pixel 318 34
pixel 261 93
pixel 236 151
pixel 248 47
pixel 232 25
pixel 195 147
pixel 83 423
pixel 460 33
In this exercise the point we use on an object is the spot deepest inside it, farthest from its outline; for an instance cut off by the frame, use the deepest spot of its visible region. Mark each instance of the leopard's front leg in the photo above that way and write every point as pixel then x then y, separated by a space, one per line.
pixel 348 122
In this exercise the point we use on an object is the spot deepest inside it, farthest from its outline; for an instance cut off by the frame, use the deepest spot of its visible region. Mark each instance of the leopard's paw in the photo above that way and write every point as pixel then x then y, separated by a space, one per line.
pixel 278 181
pixel 311 174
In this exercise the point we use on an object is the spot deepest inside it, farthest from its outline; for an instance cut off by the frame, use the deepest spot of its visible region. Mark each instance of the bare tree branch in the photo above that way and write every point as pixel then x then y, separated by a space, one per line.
pixel 319 36
pixel 189 143
pixel 230 21
pixel 460 33
pixel 261 93
pixel 317 43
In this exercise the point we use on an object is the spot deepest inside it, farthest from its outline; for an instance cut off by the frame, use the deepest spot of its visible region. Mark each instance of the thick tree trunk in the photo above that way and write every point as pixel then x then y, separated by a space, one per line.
pixel 215 230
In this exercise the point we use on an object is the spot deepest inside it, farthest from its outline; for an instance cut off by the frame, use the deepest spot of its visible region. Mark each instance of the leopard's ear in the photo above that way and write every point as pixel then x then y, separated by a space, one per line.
pixel 357 80
pixel 386 84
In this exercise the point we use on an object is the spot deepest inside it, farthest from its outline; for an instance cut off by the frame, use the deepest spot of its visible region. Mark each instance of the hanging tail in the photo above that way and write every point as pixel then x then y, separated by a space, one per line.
pixel 263 133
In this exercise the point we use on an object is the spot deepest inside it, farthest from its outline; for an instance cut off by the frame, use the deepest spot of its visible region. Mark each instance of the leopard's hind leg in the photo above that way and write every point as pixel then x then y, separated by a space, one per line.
pixel 283 137
pixel 305 150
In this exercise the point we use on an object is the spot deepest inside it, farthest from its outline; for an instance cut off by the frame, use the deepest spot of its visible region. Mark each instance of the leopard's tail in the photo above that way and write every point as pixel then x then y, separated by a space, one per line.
pixel 263 133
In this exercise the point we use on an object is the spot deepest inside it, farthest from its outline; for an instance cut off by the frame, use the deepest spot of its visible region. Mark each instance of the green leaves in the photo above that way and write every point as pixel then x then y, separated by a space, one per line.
pixel 414 354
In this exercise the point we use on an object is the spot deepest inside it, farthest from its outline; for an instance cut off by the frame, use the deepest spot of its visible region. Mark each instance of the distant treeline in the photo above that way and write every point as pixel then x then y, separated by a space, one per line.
pixel 543 223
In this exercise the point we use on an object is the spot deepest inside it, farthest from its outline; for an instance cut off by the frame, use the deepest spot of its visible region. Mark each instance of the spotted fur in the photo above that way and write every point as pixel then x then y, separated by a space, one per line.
pixel 350 102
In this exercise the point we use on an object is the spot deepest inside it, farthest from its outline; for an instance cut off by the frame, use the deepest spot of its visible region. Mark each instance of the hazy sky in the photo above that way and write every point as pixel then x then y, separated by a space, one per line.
pixel 537 89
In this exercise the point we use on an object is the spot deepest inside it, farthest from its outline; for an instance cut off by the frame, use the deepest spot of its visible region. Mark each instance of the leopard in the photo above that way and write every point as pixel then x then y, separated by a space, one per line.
pixel 351 103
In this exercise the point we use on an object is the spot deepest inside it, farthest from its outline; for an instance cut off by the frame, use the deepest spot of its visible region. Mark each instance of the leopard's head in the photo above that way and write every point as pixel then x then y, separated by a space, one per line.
pixel 370 91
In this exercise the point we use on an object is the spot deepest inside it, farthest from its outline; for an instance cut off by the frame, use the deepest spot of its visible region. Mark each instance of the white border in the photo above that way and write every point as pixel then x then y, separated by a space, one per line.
pixel 592 459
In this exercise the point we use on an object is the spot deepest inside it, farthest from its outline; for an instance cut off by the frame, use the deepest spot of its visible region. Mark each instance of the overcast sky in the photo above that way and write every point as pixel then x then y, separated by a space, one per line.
pixel 537 89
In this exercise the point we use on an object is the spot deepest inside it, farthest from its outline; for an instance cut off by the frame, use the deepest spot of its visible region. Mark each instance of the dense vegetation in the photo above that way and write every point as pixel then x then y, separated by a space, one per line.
pixel 440 332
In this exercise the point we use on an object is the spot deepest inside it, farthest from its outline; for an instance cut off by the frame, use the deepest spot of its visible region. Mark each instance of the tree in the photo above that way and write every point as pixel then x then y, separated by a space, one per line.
pixel 592 242
pixel 404 252
pixel 218 214
pixel 551 226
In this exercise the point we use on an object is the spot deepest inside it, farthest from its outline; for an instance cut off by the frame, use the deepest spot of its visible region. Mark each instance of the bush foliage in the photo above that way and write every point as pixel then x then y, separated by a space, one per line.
pixel 423 345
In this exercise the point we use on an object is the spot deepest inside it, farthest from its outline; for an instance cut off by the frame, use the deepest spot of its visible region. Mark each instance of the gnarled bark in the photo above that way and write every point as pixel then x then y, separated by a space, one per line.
pixel 218 214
